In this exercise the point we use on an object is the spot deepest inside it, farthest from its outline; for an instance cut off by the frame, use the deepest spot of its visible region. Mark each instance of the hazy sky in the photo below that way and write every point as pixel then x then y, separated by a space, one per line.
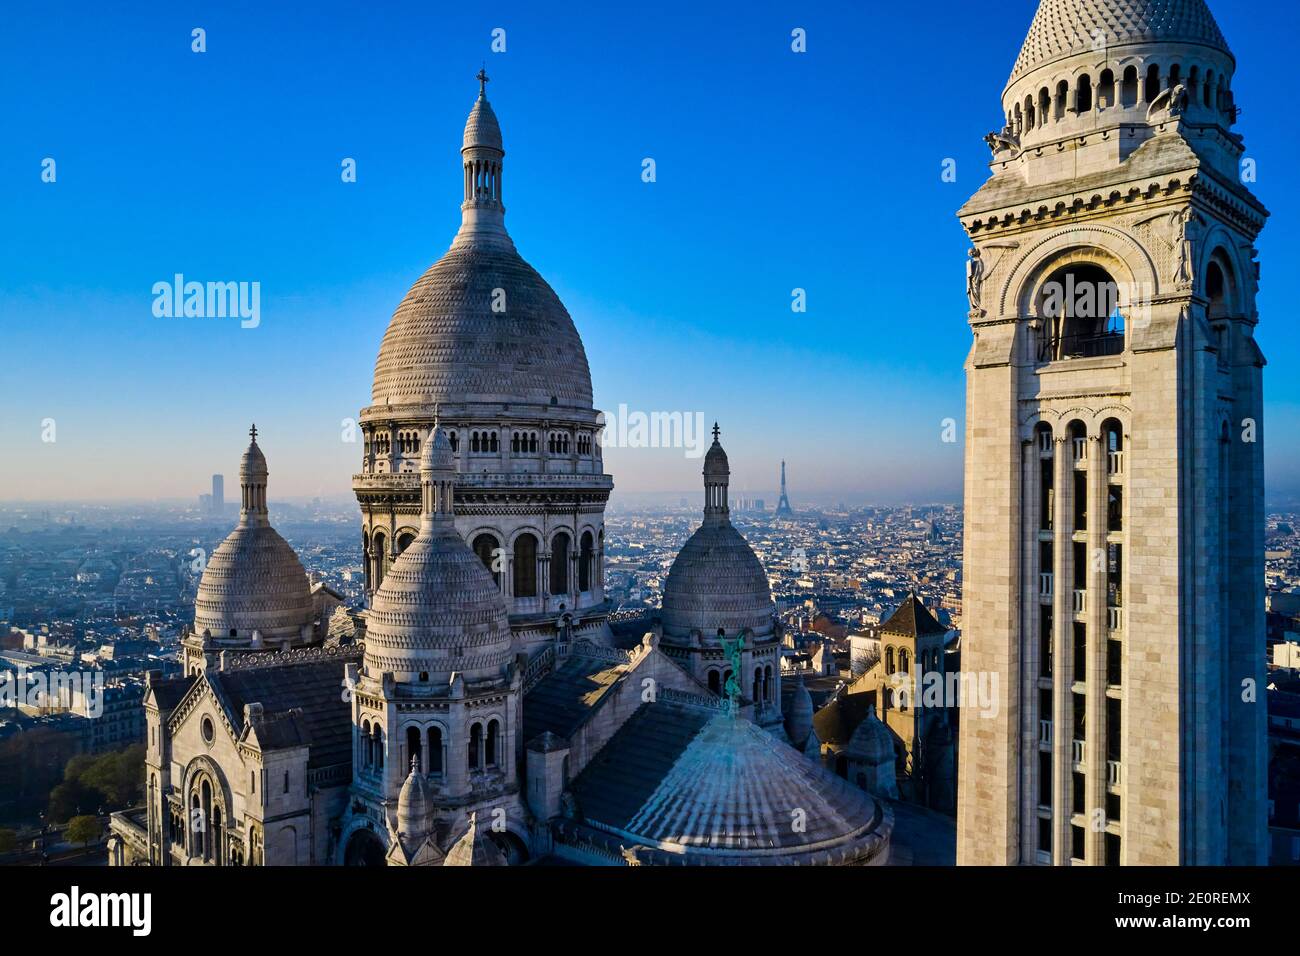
pixel 775 170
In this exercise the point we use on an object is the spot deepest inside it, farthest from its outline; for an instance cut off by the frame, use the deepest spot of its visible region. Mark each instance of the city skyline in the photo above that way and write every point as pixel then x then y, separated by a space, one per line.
pixel 854 392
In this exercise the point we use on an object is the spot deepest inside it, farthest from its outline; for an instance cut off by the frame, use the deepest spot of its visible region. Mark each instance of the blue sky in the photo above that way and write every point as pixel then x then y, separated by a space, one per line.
pixel 775 171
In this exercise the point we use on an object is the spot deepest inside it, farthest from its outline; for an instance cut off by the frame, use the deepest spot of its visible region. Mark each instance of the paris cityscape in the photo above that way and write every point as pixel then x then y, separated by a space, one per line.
pixel 758 492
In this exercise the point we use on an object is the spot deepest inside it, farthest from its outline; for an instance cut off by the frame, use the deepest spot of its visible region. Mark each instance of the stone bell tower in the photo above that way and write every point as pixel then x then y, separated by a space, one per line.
pixel 1114 456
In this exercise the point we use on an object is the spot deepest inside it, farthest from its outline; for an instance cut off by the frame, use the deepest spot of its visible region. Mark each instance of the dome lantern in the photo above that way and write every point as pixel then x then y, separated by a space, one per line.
pixel 717 479
pixel 482 211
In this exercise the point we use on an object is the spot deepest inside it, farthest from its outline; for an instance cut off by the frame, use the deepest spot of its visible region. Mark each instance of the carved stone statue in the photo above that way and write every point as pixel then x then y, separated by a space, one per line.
pixel 1184 247
pixel 974 279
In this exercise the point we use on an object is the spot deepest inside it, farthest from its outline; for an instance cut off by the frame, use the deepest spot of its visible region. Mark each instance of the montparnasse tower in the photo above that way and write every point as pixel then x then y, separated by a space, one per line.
pixel 1114 459
pixel 482 343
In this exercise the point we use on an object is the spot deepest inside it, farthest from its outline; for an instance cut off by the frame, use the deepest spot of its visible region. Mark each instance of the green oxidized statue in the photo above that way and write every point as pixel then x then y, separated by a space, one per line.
pixel 733 648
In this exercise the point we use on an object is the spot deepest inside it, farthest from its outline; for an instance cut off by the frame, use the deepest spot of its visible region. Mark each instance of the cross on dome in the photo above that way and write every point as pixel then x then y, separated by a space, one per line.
pixel 716 431
pixel 483 80
pixel 252 433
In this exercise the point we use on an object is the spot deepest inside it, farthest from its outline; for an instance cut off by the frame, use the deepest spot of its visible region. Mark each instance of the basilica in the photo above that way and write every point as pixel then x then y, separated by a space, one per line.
pixel 486 708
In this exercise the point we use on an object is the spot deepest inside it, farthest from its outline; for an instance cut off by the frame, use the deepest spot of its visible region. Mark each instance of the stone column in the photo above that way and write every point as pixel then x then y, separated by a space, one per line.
pixel 1029 649
pixel 1062 660
pixel 1095 758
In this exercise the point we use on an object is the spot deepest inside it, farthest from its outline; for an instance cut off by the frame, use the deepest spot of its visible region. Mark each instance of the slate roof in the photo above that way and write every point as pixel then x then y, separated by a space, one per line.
pixel 631 766
pixel 709 787
pixel 315 687
pixel 168 693
pixel 913 619
pixel 561 700
pixel 836 722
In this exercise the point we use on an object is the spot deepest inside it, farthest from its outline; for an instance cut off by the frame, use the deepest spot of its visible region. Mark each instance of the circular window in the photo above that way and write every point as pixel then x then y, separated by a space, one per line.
pixel 209 732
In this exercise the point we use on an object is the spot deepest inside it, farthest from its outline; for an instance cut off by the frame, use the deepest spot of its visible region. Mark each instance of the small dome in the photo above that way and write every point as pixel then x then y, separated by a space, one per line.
pixel 254 584
pixel 482 128
pixel 438 609
pixel 1062 28
pixel 437 457
pixel 415 807
pixel 871 742
pixel 253 462
pixel 716 582
pixel 715 459
pixel 475 848
pixel 799 719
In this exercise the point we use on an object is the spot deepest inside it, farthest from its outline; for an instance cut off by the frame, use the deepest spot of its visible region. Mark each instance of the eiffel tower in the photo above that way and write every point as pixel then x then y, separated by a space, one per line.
pixel 783 509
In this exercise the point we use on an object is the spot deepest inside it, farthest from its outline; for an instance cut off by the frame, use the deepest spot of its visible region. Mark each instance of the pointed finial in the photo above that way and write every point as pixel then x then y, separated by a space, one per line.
pixel 252 433
pixel 482 78
pixel 415 763
pixel 716 431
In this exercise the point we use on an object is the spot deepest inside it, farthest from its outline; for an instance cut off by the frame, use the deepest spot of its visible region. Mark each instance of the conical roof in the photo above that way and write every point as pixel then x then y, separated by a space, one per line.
pixel 710 788
pixel 482 128
pixel 475 848
pixel 913 619
pixel 1063 28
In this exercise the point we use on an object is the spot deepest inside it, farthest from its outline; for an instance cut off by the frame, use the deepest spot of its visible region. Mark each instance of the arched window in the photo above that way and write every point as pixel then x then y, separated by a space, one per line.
pixel 493 742
pixel 769 688
pixel 494 444
pixel 758 684
pixel 560 564
pixel 379 558
pixel 525 566
pixel 1221 289
pixel 454 438
pixel 1209 86
pixel 377 745
pixel 1152 89
pixel 435 750
pixel 903 658
pixel 586 558
pixel 889 660
pixel 1128 95
pixel 488 551
pixel 1080 312
pixel 474 443
pixel 413 747
pixel 1062 99
pixel 475 750
pixel 1083 95
pixel 1106 89
pixel 404 541
pixel 367 746
pixel 715 682
pixel 1044 106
